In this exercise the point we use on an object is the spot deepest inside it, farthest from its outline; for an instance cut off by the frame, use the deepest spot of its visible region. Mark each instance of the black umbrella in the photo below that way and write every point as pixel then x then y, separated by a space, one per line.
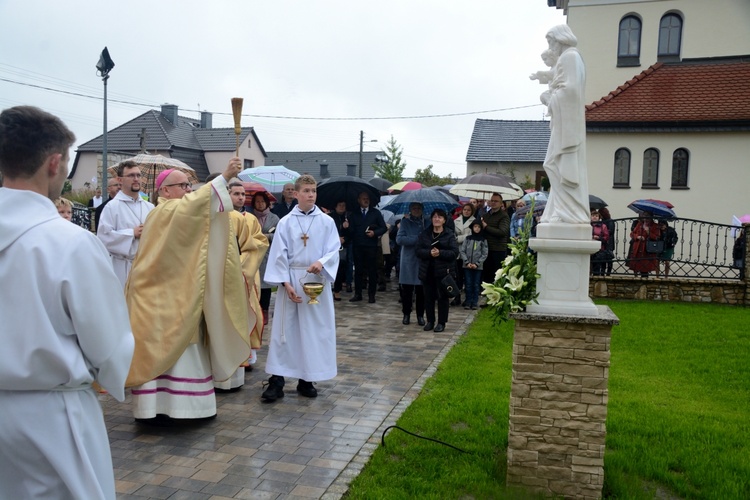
pixel 381 185
pixel 345 188
pixel 595 203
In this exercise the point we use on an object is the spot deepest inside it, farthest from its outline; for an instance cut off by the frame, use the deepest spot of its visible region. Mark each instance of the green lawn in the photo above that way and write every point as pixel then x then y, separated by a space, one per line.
pixel 677 427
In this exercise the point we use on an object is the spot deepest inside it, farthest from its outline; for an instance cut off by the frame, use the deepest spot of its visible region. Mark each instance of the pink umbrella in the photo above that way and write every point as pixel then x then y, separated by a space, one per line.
pixel 405 186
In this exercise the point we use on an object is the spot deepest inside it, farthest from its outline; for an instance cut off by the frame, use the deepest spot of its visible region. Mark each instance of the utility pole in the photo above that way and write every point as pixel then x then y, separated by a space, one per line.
pixel 361 145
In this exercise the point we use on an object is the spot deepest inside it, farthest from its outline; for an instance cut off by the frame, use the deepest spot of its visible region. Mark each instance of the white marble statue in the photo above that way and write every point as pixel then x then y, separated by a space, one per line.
pixel 565 163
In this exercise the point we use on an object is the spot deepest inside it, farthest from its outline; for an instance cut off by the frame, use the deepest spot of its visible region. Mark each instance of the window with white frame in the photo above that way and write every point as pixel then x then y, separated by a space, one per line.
pixel 680 164
pixel 650 168
pixel 670 37
pixel 622 168
pixel 629 42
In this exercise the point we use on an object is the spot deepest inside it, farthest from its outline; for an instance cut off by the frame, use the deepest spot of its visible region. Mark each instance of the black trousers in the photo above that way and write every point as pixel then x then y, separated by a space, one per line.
pixel 365 263
pixel 493 262
pixel 265 298
pixel 407 299
pixel 340 273
pixel 432 294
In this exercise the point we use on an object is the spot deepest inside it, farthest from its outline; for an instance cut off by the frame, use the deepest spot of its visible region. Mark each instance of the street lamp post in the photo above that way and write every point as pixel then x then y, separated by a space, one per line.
pixel 361 145
pixel 104 66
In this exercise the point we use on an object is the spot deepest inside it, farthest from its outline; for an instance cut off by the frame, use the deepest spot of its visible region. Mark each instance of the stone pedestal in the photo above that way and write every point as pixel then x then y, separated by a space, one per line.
pixel 563 260
pixel 558 403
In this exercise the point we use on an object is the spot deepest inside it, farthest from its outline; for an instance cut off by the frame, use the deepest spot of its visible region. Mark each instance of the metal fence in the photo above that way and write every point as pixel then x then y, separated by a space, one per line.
pixel 703 250
pixel 82 216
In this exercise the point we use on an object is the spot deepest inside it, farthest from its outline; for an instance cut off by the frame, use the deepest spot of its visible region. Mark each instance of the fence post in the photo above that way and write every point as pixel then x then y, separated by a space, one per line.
pixel 746 263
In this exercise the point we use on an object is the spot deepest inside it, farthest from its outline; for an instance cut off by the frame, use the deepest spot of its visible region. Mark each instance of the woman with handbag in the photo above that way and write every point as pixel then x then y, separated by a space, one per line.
pixel 640 260
pixel 600 233
pixel 437 250
pixel 462 222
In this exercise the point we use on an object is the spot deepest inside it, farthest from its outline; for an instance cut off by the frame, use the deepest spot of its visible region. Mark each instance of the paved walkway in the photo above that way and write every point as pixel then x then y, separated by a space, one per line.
pixel 296 447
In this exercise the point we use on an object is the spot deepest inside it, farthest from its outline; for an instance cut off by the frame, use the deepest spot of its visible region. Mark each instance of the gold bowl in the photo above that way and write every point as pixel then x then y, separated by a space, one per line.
pixel 312 290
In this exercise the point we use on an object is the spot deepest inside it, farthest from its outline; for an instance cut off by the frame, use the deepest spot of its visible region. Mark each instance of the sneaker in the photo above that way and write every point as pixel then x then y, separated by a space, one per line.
pixel 274 389
pixel 305 388
pixel 473 308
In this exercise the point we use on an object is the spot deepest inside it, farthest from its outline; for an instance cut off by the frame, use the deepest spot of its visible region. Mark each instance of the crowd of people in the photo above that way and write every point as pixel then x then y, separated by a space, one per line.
pixel 171 299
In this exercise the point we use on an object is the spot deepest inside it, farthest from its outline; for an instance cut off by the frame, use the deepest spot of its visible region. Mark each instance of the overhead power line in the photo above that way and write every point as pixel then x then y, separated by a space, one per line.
pixel 281 117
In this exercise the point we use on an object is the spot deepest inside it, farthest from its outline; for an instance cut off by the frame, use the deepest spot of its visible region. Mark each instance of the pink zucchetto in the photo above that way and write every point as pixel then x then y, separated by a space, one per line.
pixel 163 175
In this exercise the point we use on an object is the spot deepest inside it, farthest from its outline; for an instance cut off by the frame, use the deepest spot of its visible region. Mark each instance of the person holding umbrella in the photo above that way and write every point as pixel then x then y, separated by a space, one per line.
pixel 366 226
pixel 639 259
pixel 437 251
pixel 496 225
pixel 409 230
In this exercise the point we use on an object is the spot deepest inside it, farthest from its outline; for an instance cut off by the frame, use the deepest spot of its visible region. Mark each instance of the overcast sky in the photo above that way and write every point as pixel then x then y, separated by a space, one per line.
pixel 288 59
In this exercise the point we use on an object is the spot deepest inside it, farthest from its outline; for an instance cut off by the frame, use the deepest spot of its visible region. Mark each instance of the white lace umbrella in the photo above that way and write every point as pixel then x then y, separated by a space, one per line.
pixel 272 177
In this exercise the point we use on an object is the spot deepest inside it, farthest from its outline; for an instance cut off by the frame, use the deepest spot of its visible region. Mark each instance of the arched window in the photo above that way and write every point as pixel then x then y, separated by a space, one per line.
pixel 622 168
pixel 670 37
pixel 629 42
pixel 680 162
pixel 650 168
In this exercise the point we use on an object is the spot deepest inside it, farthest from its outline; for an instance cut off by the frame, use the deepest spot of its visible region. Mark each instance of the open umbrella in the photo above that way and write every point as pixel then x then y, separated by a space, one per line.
pixel 382 185
pixel 658 208
pixel 429 198
pixel 538 208
pixel 152 165
pixel 251 189
pixel 272 177
pixel 738 222
pixel 446 190
pixel 595 203
pixel 405 186
pixel 483 185
pixel 345 188
pixel 534 195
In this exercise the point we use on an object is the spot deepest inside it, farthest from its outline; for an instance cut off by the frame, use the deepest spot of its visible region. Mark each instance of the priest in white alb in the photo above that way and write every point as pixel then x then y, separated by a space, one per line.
pixel 303 335
pixel 187 300
pixel 122 219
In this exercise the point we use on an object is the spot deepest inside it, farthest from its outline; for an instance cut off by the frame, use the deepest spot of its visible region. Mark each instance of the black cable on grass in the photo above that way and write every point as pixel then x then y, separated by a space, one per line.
pixel 382 439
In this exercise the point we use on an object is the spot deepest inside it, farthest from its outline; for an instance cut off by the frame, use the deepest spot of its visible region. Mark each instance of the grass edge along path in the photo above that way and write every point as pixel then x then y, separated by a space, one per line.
pixel 677 427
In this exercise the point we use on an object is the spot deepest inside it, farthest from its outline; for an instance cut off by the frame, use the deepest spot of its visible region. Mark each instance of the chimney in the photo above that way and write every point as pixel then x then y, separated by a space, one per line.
pixel 206 119
pixel 170 113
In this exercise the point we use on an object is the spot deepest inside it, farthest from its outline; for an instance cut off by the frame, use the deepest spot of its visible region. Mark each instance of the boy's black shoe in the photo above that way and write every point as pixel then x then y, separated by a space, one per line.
pixel 306 389
pixel 275 389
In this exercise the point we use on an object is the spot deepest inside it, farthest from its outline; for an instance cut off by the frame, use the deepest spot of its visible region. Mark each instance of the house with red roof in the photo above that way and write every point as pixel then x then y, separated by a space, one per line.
pixel 669 87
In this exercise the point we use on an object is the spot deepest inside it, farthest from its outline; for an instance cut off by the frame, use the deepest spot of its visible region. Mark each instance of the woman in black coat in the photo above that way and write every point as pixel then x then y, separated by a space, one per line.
pixel 437 250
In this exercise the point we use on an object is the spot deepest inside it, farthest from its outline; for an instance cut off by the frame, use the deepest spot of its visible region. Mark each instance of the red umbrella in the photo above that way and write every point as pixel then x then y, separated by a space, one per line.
pixel 251 188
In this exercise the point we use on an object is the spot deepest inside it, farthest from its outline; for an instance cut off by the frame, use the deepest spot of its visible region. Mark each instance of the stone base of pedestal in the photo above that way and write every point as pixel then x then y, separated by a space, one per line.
pixel 558 403
pixel 563 262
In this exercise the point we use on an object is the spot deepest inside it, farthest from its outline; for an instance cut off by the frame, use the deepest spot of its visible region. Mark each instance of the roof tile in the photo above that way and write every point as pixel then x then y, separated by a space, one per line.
pixel 697 90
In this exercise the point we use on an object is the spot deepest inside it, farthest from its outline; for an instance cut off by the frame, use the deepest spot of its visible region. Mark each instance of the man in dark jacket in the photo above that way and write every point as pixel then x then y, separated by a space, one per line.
pixel 366 226
pixel 287 201
pixel 497 232
pixel 113 187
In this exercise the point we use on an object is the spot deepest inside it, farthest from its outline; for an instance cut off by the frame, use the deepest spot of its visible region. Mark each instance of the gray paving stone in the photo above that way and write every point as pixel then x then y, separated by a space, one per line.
pixel 382 366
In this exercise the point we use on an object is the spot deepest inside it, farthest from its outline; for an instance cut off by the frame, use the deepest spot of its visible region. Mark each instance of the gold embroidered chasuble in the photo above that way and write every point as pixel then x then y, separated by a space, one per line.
pixel 186 281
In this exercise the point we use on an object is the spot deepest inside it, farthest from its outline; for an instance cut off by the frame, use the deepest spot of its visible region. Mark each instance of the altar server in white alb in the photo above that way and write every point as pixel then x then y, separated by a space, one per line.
pixel 64 324
pixel 303 336
pixel 122 220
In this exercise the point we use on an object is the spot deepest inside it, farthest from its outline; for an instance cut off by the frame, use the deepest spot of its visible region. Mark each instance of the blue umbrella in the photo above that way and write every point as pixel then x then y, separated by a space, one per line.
pixel 429 198
pixel 657 208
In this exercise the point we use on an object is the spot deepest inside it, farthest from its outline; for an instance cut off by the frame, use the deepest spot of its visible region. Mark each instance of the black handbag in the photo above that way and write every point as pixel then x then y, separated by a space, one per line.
pixel 449 286
pixel 655 246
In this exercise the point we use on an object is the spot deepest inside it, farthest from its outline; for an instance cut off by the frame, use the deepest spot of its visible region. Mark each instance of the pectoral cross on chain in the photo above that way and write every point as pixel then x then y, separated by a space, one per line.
pixel 304 238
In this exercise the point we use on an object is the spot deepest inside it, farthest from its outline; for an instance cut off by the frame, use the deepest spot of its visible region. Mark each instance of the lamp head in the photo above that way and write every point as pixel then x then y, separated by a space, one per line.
pixel 105 64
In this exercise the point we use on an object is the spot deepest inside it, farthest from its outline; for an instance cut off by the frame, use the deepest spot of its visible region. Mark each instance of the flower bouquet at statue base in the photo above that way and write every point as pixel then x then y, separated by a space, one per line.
pixel 515 282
